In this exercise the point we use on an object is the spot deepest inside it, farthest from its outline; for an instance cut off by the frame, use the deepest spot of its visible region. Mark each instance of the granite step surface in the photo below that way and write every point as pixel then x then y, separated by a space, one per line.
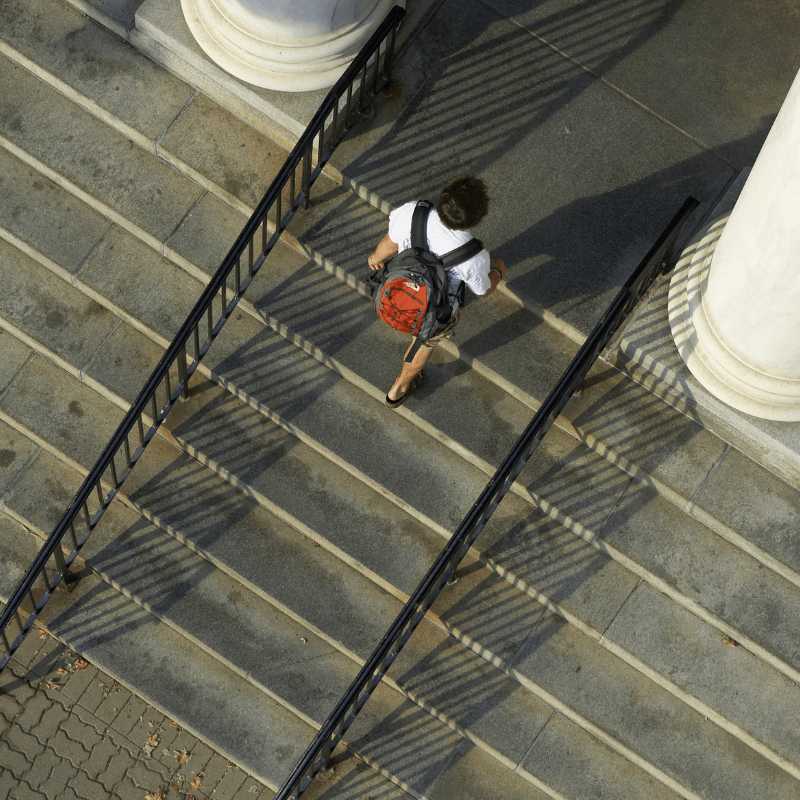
pixel 180 587
pixel 165 519
pixel 525 362
pixel 215 194
pixel 219 706
pixel 113 256
pixel 122 335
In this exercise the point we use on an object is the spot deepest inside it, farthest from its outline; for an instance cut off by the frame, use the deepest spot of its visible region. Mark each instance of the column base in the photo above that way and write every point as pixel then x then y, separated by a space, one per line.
pixel 278 53
pixel 714 364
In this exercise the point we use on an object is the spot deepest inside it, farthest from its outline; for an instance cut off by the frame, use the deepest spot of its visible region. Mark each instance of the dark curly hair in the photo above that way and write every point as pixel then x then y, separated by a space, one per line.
pixel 463 202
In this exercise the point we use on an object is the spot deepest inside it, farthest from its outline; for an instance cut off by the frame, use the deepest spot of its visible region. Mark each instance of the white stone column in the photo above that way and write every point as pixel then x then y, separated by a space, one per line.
pixel 287 45
pixel 735 305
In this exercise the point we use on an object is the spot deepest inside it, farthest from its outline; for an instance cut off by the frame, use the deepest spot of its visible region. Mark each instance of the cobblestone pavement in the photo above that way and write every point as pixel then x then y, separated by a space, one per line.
pixel 68 731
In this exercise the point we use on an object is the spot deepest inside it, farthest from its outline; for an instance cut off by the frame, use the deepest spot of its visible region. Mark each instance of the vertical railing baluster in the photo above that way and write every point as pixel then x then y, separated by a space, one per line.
pixel 113 467
pixel 168 386
pixel 375 73
pixel 127 448
pixel 30 611
pixel 325 753
pixel 210 318
pixel 335 121
pixel 61 564
pixel 362 88
pixel 183 372
pixel 196 336
pixel 388 57
pixel 349 104
pixel 140 426
pixel 74 537
pixel 306 178
pixel 100 498
pixel 278 211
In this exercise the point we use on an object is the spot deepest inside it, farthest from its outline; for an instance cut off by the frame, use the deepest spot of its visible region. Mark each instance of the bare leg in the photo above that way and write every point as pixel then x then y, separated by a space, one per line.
pixel 410 371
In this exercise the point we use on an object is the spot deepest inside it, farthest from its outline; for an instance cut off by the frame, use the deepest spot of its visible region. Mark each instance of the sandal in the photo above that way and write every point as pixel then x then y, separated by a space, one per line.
pixel 413 386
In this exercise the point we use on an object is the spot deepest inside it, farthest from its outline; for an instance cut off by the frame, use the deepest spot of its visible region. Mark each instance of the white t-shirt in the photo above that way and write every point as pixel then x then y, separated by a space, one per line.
pixel 474 271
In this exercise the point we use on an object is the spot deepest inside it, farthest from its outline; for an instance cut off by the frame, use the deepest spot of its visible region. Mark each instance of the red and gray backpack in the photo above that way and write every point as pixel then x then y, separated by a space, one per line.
pixel 410 291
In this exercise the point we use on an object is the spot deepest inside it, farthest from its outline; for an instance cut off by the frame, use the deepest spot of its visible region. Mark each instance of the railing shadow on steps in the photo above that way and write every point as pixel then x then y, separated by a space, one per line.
pixel 367 75
pixel 658 261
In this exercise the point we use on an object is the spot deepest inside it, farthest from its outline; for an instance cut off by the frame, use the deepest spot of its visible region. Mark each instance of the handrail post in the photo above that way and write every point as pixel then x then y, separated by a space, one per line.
pixel 68 579
pixel 305 186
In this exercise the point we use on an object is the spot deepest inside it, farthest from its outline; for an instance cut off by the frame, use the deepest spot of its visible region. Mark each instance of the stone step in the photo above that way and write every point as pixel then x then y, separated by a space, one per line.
pixel 567 703
pixel 162 33
pixel 147 105
pixel 338 234
pixel 186 163
pixel 181 590
pixel 99 165
pixel 569 605
pixel 94 68
pixel 248 636
pixel 187 241
pixel 142 653
pixel 766 461
pixel 323 434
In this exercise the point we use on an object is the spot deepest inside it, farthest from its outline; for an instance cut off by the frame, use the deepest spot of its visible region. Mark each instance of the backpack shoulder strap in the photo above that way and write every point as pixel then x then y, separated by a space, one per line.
pixel 462 253
pixel 419 225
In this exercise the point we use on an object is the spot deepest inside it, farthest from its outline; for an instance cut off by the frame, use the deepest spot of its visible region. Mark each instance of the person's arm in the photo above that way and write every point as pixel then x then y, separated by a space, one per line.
pixel 386 247
pixel 497 271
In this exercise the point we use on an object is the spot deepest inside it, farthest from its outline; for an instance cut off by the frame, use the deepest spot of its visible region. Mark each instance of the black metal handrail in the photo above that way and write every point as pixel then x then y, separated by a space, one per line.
pixel 657 261
pixel 369 73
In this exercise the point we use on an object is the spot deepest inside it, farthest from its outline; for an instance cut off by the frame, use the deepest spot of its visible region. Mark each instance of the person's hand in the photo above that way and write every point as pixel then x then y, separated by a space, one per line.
pixel 373 264
pixel 499 265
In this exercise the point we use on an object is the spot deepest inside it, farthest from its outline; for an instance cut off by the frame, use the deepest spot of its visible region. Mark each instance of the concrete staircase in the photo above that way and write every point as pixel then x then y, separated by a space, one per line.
pixel 626 625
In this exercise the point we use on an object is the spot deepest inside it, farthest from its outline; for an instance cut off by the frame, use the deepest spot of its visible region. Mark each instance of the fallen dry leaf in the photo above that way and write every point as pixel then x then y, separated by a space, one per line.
pixel 730 642
pixel 173 724
pixel 52 685
pixel 176 785
pixel 152 739
pixel 156 795
pixel 195 782
pixel 62 671
pixel 42 633
pixel 81 664
pixel 182 757
pixel 304 640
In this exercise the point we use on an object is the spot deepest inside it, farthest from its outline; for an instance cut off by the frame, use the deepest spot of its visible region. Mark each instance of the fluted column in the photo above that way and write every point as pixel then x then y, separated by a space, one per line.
pixel 287 45
pixel 734 306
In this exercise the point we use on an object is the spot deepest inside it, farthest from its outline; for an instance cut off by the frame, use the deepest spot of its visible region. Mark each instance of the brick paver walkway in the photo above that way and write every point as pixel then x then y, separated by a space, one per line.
pixel 68 731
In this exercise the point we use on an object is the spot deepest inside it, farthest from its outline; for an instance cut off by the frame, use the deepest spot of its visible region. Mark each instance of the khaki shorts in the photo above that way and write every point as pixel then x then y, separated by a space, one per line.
pixel 434 340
